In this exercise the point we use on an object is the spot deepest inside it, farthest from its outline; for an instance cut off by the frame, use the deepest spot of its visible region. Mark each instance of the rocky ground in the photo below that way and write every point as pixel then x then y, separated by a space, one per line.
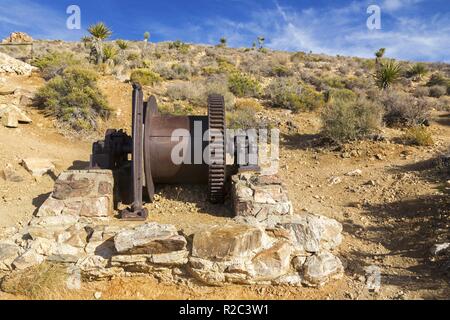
pixel 392 199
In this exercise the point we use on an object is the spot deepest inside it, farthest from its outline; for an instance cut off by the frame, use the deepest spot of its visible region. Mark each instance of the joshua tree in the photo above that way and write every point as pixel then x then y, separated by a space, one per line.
pixel 261 42
pixel 99 32
pixel 387 74
pixel 223 42
pixel 379 55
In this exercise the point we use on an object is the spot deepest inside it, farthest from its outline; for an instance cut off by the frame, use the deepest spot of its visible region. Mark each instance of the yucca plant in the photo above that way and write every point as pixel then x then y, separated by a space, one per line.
pixel 99 32
pixel 387 74
pixel 86 41
pixel 122 44
pixel 109 52
pixel 418 71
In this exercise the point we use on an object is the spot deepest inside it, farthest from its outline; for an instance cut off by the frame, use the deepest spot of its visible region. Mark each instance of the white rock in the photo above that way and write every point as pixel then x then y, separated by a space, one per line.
pixel 29 259
pixel 54 221
pixel 8 253
pixel 149 238
pixel 354 173
pixel 321 268
pixel 37 166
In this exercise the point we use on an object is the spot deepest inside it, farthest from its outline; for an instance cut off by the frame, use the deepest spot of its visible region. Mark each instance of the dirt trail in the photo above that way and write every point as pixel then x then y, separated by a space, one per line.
pixel 392 214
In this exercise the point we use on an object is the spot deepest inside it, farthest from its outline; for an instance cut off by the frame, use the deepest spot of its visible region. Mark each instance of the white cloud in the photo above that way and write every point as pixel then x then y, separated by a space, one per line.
pixel 341 30
pixel 394 5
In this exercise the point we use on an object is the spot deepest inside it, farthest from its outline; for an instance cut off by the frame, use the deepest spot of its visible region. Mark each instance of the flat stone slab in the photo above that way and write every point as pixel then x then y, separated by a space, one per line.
pixel 227 242
pixel 149 238
pixel 38 166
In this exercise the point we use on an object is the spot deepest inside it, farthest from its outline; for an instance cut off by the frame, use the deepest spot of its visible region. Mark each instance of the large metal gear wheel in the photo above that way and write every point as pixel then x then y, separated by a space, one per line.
pixel 217 143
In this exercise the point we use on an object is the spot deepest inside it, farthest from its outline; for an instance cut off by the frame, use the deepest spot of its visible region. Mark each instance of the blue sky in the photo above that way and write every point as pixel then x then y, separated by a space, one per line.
pixel 411 29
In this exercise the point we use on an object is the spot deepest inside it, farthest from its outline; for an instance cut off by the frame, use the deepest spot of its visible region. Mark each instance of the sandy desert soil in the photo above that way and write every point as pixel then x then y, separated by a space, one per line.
pixel 392 214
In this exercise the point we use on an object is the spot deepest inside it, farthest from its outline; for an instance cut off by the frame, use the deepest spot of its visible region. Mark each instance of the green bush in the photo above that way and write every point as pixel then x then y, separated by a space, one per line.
pixel 145 77
pixel 55 63
pixel 339 94
pixel 281 71
pixel 290 94
pixel 243 85
pixel 180 46
pixel 438 91
pixel 418 70
pixel 438 79
pixel 418 135
pixel 74 99
pixel 345 121
pixel 401 109
pixel 387 74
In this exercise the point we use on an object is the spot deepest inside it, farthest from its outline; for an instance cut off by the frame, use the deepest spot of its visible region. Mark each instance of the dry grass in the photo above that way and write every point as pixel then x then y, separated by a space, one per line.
pixel 46 281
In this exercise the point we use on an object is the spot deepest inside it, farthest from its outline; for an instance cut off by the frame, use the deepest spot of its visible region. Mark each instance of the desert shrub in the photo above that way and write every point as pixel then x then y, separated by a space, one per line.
pixel 387 74
pixel 246 103
pixel 74 99
pixel 403 110
pixel 421 92
pixel 368 64
pixel 188 91
pixel 225 66
pixel 438 91
pixel 243 118
pixel 437 79
pixel 298 57
pixel 182 71
pixel 418 135
pixel 133 56
pixel 145 77
pixel 243 85
pixel 334 82
pixel 196 92
pixel 180 46
pixel 280 71
pixel 284 93
pixel 346 121
pixel 55 63
pixel 109 52
pixel 339 94
pixel 418 70
pixel 219 86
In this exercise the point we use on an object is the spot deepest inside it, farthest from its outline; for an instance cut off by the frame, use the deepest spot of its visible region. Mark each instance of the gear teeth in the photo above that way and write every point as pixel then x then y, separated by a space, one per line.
pixel 217 170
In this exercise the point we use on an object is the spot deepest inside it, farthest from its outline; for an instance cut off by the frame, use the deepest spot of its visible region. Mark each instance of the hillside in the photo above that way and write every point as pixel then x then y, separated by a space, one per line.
pixel 386 180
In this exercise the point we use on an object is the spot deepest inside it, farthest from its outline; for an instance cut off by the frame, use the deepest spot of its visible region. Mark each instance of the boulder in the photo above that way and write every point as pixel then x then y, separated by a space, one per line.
pixel 10 120
pixel 29 259
pixel 8 253
pixel 63 221
pixel 11 175
pixel 313 232
pixel 148 239
pixel 227 242
pixel 18 37
pixel 321 268
pixel 273 262
pixel 11 65
pixel 50 207
pixel 38 166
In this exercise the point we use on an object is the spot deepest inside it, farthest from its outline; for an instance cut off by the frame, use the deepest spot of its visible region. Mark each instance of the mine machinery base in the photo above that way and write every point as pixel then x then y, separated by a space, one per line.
pixel 144 159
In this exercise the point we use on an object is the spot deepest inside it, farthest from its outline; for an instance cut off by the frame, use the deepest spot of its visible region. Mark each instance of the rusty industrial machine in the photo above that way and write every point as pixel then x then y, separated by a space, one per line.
pixel 145 158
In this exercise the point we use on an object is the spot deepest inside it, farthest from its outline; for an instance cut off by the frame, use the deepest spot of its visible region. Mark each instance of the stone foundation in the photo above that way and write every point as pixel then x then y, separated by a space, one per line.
pixel 265 244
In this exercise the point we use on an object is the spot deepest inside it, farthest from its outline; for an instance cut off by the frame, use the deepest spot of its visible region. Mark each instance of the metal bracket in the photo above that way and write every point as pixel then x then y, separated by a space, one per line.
pixel 137 212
